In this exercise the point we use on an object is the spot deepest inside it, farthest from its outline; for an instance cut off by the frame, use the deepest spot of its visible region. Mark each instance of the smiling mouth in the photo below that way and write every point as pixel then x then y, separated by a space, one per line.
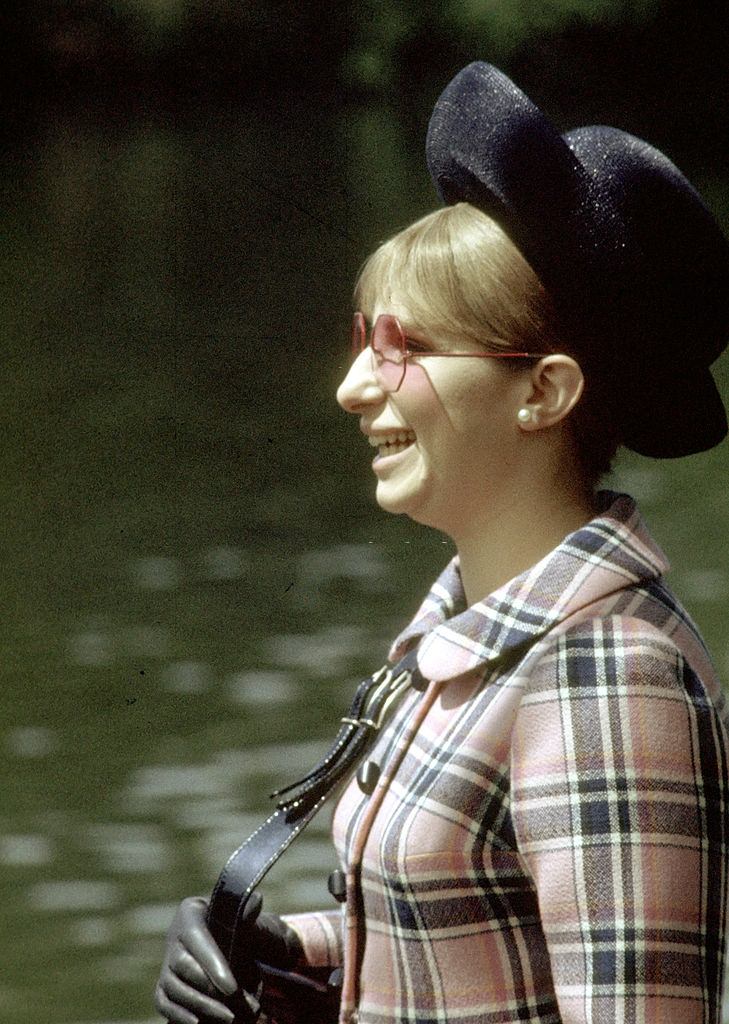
pixel 391 444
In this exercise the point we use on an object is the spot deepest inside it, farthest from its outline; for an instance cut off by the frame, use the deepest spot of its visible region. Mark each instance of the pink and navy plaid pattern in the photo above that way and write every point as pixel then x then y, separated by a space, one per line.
pixel 548 838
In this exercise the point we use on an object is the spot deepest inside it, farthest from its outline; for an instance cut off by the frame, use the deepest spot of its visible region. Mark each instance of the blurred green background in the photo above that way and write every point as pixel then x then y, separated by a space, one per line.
pixel 194 570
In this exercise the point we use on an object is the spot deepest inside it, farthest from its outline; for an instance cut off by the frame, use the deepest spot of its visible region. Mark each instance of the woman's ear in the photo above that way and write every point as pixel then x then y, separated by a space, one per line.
pixel 555 385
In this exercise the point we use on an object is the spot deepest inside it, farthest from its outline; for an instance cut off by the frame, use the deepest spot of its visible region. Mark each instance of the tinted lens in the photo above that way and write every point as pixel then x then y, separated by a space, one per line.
pixel 359 334
pixel 388 348
pixel 387 339
pixel 388 344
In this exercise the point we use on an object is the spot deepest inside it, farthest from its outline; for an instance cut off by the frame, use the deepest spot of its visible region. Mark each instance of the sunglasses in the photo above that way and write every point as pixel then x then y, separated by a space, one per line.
pixel 391 348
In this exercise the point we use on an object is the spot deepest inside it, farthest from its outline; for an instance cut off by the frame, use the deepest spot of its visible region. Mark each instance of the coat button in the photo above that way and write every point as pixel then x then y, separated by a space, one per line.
pixel 335 979
pixel 418 680
pixel 337 885
pixel 367 776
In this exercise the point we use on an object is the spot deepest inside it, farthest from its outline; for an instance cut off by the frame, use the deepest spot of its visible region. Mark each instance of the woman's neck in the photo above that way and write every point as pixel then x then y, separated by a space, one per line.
pixel 517 536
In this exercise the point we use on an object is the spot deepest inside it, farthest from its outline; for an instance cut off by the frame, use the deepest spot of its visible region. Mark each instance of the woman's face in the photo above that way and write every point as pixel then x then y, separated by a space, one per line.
pixel 447 440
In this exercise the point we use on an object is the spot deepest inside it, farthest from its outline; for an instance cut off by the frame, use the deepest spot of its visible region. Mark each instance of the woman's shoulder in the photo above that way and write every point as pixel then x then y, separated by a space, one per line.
pixel 641 635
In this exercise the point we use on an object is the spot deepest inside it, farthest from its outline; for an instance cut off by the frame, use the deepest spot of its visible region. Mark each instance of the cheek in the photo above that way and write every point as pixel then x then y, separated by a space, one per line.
pixel 417 401
pixel 418 384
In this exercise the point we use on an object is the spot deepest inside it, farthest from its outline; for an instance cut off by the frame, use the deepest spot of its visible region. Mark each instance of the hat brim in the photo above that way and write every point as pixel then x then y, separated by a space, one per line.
pixel 673 428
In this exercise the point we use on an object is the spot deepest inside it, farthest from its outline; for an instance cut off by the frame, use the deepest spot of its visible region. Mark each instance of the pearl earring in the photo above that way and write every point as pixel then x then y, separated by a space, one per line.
pixel 524 415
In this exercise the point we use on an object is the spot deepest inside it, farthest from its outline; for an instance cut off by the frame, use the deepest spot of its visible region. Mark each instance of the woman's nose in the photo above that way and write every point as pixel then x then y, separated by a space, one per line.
pixel 360 388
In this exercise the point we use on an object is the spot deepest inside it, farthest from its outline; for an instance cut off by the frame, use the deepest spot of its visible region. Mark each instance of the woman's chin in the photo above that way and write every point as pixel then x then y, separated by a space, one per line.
pixel 404 501
pixel 399 501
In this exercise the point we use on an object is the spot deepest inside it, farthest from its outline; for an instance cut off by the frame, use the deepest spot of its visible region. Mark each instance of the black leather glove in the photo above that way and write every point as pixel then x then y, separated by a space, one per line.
pixel 196 983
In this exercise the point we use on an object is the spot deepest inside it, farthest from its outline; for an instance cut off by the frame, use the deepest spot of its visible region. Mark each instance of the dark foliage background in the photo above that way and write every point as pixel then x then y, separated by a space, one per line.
pixel 662 62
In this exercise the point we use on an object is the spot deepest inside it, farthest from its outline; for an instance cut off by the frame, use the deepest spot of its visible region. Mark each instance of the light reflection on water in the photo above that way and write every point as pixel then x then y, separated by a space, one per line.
pixel 123 848
pixel 192 586
pixel 263 688
pixel 26 850
pixel 71 896
pixel 30 741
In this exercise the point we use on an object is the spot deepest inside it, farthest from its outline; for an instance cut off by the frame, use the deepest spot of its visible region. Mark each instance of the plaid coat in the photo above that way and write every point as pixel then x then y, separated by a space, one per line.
pixel 548 838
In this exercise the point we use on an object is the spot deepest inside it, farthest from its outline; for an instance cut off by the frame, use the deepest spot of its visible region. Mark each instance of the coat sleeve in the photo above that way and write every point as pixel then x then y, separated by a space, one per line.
pixel 321 937
pixel 619 787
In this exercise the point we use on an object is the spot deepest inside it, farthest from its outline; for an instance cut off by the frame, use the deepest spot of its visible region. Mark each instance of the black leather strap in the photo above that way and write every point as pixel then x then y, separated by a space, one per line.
pixel 254 858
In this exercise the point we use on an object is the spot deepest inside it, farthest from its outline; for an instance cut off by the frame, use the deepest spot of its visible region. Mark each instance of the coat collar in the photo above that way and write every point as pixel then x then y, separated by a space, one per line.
pixel 608 554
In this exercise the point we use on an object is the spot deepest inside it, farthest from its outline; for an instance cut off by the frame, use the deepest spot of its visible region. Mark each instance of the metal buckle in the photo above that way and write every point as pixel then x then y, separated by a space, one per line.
pixel 384 680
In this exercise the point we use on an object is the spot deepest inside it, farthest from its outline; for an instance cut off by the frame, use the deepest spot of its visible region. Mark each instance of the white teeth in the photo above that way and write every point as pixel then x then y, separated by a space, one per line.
pixel 393 449
pixel 391 440
pixel 392 444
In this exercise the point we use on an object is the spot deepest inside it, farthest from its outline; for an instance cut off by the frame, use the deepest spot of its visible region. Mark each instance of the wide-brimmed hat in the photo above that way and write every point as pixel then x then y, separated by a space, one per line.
pixel 634 261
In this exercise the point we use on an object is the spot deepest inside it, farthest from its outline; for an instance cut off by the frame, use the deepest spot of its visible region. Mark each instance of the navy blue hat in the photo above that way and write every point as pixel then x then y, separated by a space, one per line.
pixel 634 261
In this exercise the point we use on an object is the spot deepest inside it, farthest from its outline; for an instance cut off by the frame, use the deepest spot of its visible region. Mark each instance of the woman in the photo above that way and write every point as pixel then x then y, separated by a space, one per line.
pixel 540 835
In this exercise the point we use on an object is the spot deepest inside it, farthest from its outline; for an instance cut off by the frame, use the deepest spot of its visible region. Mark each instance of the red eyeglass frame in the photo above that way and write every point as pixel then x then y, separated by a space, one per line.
pixel 360 342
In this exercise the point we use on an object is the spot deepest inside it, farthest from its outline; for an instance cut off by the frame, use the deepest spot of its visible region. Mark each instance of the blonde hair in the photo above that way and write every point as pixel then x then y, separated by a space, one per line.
pixel 462 276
